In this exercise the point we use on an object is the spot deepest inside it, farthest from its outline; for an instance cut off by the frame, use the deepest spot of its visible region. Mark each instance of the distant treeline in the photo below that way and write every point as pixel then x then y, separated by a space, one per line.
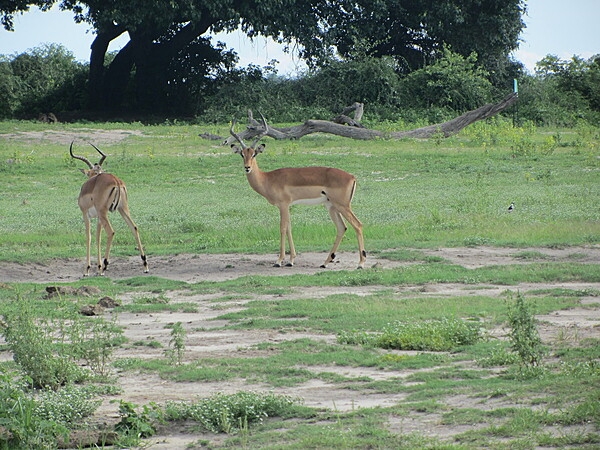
pixel 48 79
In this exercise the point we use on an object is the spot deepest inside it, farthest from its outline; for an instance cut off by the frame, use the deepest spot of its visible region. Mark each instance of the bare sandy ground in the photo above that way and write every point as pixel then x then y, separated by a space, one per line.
pixel 206 338
pixel 193 268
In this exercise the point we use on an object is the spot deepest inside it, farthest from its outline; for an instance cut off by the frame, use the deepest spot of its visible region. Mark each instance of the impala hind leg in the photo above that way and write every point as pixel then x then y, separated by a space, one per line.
pixel 136 234
pixel 88 238
pixel 103 222
pixel 341 229
pixel 358 228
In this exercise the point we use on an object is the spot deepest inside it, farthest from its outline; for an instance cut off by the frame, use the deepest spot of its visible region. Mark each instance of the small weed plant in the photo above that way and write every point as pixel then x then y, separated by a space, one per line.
pixel 499 356
pixel 21 426
pixel 94 341
pixel 176 348
pixel 137 424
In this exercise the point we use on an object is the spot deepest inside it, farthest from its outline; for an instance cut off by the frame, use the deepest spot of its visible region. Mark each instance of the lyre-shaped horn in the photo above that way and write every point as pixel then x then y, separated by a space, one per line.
pixel 263 133
pixel 235 135
pixel 80 158
pixel 99 151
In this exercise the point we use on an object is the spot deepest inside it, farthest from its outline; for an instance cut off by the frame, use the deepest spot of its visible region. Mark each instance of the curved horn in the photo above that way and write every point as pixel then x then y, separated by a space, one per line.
pixel 239 139
pixel 263 133
pixel 80 158
pixel 99 151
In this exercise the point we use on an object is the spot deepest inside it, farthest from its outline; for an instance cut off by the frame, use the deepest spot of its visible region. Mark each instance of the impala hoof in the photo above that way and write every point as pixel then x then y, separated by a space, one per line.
pixel 323 266
pixel 277 264
pixel 290 264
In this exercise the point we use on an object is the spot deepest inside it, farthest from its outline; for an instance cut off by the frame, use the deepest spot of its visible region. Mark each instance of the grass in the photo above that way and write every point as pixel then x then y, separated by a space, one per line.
pixel 185 193
pixel 191 196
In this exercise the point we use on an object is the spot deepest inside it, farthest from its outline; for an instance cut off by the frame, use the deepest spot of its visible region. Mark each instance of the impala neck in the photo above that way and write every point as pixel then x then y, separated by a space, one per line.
pixel 255 177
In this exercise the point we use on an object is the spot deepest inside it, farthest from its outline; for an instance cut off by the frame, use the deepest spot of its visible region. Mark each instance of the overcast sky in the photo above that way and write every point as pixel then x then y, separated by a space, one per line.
pixel 558 27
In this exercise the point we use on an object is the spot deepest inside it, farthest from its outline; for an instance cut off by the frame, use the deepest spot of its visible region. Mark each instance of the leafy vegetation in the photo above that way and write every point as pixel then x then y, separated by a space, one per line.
pixel 187 66
pixel 428 335
pixel 524 336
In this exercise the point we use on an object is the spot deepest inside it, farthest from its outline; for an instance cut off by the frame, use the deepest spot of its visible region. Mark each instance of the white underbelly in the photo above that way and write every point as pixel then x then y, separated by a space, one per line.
pixel 310 201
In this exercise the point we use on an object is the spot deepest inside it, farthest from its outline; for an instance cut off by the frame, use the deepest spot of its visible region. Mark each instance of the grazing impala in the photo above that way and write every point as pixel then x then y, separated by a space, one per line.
pixel 100 194
pixel 303 185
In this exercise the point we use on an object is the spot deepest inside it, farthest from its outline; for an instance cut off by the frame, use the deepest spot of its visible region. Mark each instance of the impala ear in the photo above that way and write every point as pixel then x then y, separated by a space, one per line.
pixel 83 171
pixel 260 148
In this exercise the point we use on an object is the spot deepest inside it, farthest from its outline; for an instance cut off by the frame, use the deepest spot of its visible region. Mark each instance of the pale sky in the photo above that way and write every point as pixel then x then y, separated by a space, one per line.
pixel 558 27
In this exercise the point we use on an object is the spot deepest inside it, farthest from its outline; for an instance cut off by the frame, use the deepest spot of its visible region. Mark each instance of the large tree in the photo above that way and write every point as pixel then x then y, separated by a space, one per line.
pixel 167 35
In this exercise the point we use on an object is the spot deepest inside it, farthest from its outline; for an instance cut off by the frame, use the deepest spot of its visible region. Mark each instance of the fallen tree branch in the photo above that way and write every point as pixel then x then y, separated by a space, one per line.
pixel 445 129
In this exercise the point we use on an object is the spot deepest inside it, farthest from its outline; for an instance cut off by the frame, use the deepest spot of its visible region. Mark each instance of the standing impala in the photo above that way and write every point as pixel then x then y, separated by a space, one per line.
pixel 100 194
pixel 303 185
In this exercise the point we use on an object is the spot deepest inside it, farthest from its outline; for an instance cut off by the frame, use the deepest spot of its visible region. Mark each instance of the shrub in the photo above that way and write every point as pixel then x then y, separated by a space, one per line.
pixel 230 413
pixel 22 428
pixel 429 335
pixel 524 336
pixel 34 351
pixel 67 406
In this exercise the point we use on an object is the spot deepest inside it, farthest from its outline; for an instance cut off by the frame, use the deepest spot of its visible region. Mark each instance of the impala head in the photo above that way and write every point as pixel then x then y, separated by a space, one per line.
pixel 94 169
pixel 249 152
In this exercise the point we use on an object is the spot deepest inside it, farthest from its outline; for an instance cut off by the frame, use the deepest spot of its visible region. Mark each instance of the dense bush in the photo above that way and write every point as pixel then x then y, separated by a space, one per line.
pixel 48 79
pixel 453 82
pixel 562 93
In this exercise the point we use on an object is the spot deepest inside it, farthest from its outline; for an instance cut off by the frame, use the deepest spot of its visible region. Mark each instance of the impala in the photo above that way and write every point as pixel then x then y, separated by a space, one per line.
pixel 100 194
pixel 303 185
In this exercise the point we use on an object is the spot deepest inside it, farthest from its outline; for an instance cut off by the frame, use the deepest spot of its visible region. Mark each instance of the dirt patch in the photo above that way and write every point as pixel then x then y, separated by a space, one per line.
pixel 97 137
pixel 206 338
pixel 186 267
pixel 193 268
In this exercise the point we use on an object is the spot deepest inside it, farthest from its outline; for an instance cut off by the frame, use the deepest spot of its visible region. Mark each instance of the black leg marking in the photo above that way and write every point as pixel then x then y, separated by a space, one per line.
pixel 364 253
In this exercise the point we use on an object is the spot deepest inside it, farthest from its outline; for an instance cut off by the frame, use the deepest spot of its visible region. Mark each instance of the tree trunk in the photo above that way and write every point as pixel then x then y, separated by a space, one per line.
pixel 445 129
pixel 151 60
pixel 97 73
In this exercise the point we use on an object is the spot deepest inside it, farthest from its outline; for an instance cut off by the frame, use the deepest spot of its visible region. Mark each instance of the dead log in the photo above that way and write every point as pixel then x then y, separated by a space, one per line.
pixel 446 129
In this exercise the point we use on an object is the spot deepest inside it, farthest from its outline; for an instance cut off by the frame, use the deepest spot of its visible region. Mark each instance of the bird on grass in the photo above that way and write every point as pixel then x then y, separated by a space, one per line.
pixel 511 207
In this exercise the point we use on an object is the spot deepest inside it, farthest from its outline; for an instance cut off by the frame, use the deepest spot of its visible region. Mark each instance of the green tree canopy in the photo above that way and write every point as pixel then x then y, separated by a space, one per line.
pixel 170 42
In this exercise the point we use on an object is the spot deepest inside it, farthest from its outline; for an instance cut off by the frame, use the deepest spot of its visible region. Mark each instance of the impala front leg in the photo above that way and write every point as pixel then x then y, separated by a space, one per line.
pixel 285 231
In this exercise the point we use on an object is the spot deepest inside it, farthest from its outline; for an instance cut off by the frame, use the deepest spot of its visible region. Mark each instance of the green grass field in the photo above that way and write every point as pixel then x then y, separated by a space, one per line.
pixel 191 196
